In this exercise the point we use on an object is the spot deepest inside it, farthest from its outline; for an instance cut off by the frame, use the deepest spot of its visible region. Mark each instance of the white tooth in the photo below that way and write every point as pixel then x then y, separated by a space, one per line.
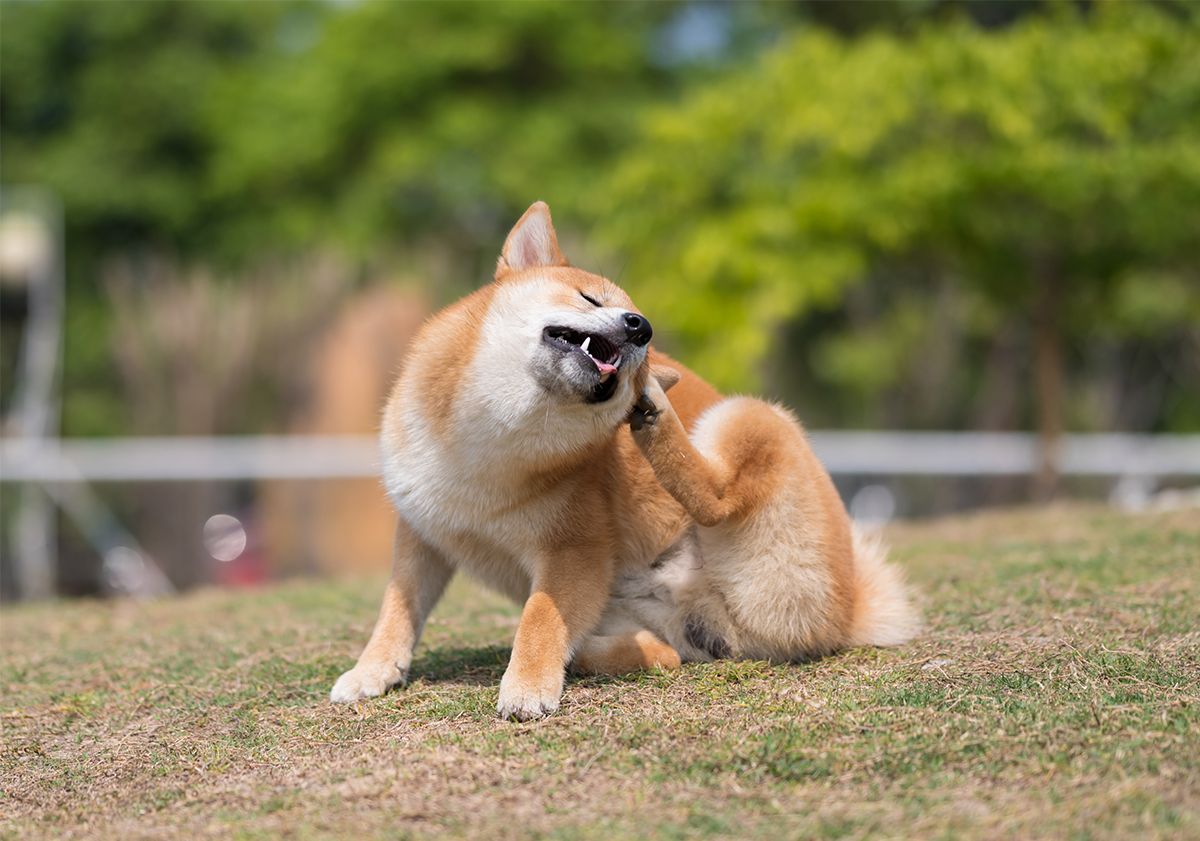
pixel 585 344
pixel 617 364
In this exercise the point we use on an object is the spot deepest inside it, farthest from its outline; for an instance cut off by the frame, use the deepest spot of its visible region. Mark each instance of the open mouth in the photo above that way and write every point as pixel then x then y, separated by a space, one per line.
pixel 600 352
pixel 603 353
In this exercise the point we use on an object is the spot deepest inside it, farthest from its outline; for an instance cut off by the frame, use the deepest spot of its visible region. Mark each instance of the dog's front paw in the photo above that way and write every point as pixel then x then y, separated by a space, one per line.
pixel 524 700
pixel 366 680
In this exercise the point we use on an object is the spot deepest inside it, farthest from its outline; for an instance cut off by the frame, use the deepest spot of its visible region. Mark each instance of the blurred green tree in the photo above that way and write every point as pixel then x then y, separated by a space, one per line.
pixel 847 192
pixel 411 122
pixel 226 134
pixel 107 104
pixel 221 130
pixel 1050 171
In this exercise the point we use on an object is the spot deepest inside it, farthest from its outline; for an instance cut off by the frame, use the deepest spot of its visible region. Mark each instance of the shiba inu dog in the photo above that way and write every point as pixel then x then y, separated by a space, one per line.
pixel 529 442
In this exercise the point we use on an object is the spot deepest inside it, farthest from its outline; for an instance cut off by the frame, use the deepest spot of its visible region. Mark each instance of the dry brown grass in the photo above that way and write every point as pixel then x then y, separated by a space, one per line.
pixel 1054 694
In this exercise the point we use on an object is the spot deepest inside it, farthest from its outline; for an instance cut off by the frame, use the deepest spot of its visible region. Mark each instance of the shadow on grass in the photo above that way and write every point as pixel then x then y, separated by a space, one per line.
pixel 479 666
pixel 485 665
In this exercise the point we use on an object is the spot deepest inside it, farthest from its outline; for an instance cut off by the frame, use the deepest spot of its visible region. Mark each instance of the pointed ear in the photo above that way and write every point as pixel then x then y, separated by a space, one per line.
pixel 531 242
pixel 666 377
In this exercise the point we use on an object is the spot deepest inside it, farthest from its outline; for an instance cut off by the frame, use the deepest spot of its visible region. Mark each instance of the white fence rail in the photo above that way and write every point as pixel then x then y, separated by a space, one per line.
pixel 66 469
pixel 342 457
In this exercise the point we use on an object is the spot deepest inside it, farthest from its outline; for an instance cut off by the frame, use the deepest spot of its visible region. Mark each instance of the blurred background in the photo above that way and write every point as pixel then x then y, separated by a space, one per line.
pixel 961 234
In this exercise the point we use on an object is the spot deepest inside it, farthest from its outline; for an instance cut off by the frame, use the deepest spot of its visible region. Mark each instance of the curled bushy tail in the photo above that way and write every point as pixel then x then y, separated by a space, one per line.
pixel 884 613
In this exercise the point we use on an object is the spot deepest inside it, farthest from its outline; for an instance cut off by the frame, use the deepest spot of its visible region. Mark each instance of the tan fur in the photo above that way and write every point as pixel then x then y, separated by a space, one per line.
pixel 618 655
pixel 620 545
pixel 441 352
pixel 781 575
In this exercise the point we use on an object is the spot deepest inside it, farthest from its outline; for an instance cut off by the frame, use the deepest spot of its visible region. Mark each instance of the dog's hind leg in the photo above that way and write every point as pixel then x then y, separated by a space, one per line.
pixel 711 490
pixel 620 654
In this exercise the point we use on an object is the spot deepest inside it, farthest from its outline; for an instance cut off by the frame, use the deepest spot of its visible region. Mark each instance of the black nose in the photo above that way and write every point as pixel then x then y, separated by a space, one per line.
pixel 638 329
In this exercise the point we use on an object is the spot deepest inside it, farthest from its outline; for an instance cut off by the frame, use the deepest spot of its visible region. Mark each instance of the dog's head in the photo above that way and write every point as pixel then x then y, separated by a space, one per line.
pixel 577 335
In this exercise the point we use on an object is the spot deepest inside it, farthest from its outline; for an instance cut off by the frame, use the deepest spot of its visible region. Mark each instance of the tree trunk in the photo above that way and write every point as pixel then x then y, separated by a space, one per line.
pixel 998 407
pixel 1048 371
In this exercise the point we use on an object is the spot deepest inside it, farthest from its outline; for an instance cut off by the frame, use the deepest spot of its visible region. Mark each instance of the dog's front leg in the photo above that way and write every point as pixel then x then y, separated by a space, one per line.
pixel 569 593
pixel 419 575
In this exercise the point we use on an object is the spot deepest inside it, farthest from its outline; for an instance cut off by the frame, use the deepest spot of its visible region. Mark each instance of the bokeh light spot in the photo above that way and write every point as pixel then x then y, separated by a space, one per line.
pixel 224 537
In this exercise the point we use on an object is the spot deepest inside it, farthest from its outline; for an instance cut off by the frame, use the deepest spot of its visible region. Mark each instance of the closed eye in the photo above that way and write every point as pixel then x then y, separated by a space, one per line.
pixel 590 299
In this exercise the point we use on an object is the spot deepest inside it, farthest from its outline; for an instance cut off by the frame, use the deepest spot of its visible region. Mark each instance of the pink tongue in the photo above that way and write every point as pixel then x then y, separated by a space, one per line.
pixel 604 367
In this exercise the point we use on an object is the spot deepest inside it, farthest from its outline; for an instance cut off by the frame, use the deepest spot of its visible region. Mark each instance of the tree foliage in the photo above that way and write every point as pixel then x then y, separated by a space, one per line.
pixel 227 134
pixel 853 212
pixel 107 104
pixel 1050 172
pixel 223 130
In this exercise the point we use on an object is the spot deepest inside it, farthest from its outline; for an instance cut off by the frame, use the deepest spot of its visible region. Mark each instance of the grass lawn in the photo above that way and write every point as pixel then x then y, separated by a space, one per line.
pixel 1055 693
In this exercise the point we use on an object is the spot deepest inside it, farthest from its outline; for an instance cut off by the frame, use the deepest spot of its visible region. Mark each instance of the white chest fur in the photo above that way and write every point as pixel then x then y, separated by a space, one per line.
pixel 462 497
